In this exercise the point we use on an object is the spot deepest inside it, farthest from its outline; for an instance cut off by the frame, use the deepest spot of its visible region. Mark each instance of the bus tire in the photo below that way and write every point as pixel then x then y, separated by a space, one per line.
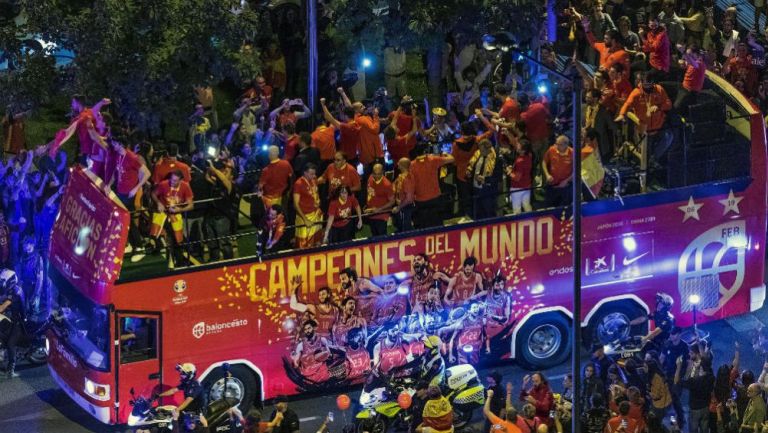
pixel 242 378
pixel 544 341
pixel 621 311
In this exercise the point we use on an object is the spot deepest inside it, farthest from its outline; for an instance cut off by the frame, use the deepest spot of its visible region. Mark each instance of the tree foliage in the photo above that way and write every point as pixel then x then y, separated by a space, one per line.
pixel 149 54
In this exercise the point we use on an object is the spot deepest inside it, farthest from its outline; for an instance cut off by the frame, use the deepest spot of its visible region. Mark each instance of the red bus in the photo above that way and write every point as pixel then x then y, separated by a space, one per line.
pixel 318 319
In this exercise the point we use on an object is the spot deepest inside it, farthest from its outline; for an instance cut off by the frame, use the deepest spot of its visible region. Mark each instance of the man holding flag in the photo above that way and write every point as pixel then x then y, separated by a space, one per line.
pixel 91 133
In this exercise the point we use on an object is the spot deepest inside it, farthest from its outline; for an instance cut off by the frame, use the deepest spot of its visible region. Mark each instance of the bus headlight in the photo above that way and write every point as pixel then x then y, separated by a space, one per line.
pixel 96 390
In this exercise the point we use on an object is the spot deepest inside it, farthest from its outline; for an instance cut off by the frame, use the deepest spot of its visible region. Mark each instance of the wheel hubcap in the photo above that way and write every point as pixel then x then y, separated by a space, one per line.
pixel 613 328
pixel 228 388
pixel 544 341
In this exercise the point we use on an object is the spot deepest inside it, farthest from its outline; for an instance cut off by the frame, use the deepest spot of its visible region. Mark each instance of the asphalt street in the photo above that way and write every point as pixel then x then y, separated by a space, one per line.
pixel 33 404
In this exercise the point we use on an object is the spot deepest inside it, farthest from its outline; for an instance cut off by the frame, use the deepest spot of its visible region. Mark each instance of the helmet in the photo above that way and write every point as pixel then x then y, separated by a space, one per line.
pixel 664 300
pixel 187 371
pixel 8 279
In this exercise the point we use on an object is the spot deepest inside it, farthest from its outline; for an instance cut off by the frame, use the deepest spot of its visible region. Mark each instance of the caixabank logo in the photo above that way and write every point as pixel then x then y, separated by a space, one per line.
pixel 201 329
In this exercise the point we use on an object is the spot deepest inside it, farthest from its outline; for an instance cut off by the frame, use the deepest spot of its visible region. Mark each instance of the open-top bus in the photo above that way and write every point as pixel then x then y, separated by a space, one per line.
pixel 272 320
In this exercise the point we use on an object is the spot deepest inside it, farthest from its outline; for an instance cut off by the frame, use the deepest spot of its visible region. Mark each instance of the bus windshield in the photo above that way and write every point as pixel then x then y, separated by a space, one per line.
pixel 82 324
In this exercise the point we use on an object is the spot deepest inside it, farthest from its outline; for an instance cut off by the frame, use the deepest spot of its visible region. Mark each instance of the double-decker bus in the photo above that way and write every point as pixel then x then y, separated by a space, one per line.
pixel 320 319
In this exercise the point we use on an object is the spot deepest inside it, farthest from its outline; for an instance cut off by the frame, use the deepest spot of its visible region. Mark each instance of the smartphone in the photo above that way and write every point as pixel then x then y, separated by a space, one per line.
pixel 330 416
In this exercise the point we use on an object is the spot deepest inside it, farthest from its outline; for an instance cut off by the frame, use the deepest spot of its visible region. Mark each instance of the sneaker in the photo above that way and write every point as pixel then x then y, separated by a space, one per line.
pixel 128 249
pixel 11 374
pixel 137 257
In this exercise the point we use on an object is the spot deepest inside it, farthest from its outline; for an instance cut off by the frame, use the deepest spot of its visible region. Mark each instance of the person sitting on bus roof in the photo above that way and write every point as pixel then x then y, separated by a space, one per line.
pixel 195 397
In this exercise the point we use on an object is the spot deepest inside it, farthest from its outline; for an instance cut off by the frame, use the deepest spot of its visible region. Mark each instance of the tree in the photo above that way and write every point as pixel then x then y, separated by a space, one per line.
pixel 425 25
pixel 147 55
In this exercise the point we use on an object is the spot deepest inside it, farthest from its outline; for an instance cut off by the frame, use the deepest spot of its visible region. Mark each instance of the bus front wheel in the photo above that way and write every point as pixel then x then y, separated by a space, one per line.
pixel 544 341
pixel 242 386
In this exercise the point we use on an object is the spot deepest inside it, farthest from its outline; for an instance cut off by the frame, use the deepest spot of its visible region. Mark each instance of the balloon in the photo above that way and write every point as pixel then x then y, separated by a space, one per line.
pixel 404 400
pixel 343 402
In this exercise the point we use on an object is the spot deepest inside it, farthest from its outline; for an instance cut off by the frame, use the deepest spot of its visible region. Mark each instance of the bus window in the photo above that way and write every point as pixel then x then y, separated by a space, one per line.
pixel 138 339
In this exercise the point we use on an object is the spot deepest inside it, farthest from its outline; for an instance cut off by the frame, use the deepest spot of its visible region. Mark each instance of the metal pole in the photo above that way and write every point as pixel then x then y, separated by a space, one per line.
pixel 312 56
pixel 576 328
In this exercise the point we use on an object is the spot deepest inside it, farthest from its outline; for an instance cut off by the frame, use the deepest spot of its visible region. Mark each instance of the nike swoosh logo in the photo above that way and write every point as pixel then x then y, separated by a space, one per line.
pixel 627 261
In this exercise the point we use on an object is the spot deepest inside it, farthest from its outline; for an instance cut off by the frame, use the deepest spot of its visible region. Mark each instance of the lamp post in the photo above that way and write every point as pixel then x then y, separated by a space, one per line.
pixel 694 300
pixel 312 78
pixel 506 43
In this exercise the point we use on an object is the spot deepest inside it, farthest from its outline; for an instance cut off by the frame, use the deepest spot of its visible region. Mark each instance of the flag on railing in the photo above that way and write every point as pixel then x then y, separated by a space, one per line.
pixel 592 171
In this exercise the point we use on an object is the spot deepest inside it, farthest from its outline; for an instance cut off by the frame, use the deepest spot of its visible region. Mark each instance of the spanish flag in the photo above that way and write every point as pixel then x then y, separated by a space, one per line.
pixel 592 171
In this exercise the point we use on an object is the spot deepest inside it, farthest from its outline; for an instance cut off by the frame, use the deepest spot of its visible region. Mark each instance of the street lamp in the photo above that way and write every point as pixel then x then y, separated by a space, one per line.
pixel 507 42
pixel 694 300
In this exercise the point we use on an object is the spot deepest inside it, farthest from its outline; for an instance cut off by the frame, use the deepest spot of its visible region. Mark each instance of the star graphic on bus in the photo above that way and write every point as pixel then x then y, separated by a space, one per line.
pixel 691 209
pixel 731 203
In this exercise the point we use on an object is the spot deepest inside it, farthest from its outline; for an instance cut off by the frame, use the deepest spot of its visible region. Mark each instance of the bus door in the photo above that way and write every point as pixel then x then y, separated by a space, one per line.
pixel 137 355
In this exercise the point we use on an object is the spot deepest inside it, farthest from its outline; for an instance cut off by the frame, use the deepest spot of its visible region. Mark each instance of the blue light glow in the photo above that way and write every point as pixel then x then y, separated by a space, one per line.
pixel 630 244
pixel 367 62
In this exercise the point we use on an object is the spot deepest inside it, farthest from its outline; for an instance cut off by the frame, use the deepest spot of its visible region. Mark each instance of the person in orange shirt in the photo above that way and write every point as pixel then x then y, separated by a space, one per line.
pixel 611 50
pixel 324 139
pixel 340 173
pixel 649 102
pixel 398 144
pixel 693 79
pixel 367 118
pixel 349 131
pixel 622 423
pixel 425 170
pixel 404 202
pixel 381 198
pixel 275 178
pixel 558 172
pixel 462 150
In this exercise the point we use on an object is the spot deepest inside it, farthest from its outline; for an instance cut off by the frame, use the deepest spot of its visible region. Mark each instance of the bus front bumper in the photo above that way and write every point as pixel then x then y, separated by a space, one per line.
pixel 101 413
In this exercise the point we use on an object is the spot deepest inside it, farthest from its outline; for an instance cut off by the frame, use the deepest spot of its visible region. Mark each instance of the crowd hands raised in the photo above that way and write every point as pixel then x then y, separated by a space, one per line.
pixel 497 146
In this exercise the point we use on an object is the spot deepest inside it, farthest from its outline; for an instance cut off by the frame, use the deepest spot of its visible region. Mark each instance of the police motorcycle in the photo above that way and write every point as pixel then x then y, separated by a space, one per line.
pixel 146 414
pixel 32 344
pixel 378 399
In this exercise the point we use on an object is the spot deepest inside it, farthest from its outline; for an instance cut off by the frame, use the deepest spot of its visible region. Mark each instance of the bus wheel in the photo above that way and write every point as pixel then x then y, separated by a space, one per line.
pixel 612 323
pixel 241 386
pixel 543 341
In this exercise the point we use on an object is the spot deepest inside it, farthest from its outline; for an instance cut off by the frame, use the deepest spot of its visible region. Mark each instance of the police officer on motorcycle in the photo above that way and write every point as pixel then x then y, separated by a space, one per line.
pixel 194 396
pixel 663 321
pixel 12 324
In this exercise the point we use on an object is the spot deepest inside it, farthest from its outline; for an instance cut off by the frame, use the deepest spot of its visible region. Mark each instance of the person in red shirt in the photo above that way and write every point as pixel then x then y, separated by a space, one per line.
pixel 306 202
pixel 275 178
pixel 381 198
pixel 656 43
pixel 128 178
pixel 425 170
pixel 536 119
pixel 536 391
pixel 399 144
pixel 339 226
pixel 462 150
pixel 404 201
pixel 620 88
pixel 340 173
pixel 349 132
pixel 405 118
pixel 290 140
pixel 742 68
pixel 510 108
pixel 169 163
pixel 558 172
pixel 693 80
pixel 368 120
pixel 521 178
pixel 172 197
pixel 259 90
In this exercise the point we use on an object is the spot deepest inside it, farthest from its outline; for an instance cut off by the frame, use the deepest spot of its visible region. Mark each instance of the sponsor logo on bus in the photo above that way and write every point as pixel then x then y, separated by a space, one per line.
pixel 201 329
pixel 179 287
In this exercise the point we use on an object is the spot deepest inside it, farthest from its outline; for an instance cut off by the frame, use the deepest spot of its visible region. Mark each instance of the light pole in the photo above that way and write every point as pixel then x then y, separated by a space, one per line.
pixel 312 56
pixel 506 42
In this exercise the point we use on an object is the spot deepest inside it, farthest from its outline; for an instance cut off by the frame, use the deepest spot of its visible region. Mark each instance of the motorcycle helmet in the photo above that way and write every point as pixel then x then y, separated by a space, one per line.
pixel 8 280
pixel 664 300
pixel 187 371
